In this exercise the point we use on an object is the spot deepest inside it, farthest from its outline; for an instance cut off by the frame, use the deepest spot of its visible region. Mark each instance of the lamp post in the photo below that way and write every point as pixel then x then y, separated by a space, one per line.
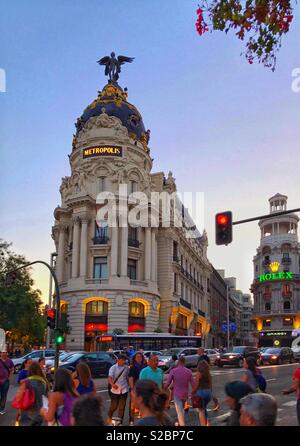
pixel 228 333
pixel 53 254
pixel 57 319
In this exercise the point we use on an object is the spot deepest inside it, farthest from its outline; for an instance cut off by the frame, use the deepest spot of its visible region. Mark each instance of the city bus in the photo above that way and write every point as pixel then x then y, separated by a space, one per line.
pixel 145 341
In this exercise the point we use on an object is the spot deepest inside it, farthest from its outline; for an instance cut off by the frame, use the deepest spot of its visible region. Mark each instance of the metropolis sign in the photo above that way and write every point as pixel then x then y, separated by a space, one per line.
pixel 276 276
pixel 103 151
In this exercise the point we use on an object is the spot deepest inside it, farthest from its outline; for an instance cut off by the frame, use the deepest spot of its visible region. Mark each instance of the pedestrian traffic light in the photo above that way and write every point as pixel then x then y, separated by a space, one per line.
pixel 224 228
pixel 51 315
pixel 64 325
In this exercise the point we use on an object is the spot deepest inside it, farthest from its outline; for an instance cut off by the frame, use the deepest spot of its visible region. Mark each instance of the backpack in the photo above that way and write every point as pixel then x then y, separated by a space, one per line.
pixel 261 383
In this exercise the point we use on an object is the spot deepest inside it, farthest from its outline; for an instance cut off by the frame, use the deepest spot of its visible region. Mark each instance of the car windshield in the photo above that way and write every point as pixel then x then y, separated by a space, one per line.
pixel 65 356
pixel 237 350
pixel 171 351
pixel 272 351
pixel 73 357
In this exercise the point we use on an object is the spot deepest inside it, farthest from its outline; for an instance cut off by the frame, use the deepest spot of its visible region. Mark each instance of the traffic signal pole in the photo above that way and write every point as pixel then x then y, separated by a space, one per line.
pixel 57 319
pixel 274 214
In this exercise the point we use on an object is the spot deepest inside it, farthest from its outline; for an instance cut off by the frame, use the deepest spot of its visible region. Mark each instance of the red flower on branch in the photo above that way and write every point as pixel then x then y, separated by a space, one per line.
pixel 201 26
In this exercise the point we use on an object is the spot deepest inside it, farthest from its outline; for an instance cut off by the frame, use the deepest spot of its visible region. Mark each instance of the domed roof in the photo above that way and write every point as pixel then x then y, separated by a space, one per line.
pixel 114 100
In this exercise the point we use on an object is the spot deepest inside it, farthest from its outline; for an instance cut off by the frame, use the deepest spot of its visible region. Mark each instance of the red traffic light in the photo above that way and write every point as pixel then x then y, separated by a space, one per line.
pixel 51 313
pixel 222 219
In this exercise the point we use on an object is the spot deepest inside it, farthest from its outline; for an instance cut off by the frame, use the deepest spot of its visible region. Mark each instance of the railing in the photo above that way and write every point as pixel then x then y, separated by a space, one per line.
pixel 133 242
pixel 267 296
pixel 201 313
pixel 286 260
pixel 287 294
pixel 185 303
pixel 100 240
pixel 96 281
pixel 293 310
pixel 138 283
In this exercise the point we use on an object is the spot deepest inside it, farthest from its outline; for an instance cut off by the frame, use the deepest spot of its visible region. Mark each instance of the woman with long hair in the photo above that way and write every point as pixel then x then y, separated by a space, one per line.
pixel 61 400
pixel 37 382
pixel 82 378
pixel 23 373
pixel 151 402
pixel 250 373
pixel 203 389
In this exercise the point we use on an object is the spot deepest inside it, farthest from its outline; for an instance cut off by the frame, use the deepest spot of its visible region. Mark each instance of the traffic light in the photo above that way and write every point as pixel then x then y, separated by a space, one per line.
pixel 51 315
pixel 59 338
pixel 224 228
pixel 64 325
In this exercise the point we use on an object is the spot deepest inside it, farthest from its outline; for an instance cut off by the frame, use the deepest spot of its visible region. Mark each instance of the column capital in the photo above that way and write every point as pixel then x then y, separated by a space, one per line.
pixel 63 227
pixel 75 219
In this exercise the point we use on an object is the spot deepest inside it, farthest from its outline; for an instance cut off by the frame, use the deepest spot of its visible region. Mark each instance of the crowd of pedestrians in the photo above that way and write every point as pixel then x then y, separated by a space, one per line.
pixel 72 400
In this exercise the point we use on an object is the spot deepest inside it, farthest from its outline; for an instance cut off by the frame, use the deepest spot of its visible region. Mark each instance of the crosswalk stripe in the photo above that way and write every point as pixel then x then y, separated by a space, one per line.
pixel 290 403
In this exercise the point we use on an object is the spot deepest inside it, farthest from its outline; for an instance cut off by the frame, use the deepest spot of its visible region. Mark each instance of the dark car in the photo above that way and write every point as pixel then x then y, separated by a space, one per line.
pixel 296 352
pixel 277 355
pixel 236 356
pixel 98 362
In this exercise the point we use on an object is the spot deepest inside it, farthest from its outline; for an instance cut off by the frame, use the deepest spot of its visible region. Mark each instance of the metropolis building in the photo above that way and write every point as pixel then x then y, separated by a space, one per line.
pixel 276 284
pixel 126 278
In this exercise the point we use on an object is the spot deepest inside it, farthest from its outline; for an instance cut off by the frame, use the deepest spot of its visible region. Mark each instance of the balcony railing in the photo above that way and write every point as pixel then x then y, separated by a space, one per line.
pixel 133 242
pixel 175 259
pixel 267 296
pixel 286 260
pixel 100 240
pixel 266 263
pixel 276 311
pixel 96 281
pixel 201 313
pixel 185 304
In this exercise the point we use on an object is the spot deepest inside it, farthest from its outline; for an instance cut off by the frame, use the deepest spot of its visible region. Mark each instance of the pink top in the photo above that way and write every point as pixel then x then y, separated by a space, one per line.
pixel 181 378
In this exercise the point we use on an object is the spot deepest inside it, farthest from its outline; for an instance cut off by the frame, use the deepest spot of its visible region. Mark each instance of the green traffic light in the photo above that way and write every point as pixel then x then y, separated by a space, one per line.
pixel 59 339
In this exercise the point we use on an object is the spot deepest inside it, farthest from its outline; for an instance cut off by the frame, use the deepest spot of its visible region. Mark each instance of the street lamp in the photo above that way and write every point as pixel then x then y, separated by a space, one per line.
pixel 228 333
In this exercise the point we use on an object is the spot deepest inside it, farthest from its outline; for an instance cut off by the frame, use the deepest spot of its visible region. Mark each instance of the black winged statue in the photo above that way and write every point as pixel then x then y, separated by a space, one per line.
pixel 113 65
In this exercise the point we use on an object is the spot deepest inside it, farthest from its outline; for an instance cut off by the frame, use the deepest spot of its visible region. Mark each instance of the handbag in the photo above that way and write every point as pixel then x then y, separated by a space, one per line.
pixel 26 401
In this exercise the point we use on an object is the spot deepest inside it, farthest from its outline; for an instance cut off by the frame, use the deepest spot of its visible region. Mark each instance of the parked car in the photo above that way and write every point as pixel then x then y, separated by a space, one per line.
pixel 99 362
pixel 236 356
pixel 190 354
pixel 296 352
pixel 62 358
pixel 212 354
pixel 35 355
pixel 278 356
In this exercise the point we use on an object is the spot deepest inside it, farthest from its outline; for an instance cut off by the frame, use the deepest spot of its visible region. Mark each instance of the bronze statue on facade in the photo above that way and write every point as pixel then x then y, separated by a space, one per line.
pixel 113 65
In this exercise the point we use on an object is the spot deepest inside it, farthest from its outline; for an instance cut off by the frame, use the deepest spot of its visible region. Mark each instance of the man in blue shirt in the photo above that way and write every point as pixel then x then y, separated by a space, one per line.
pixel 152 372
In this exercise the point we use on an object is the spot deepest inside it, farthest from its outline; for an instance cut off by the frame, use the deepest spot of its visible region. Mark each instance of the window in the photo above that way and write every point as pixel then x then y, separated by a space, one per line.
pixel 101 230
pixel 136 309
pixel 175 283
pixel 91 357
pixel 181 260
pixel 102 184
pixel 131 269
pixel 286 305
pixel 182 290
pixel 104 356
pixel 285 255
pixel 96 308
pixel 286 289
pixel 288 321
pixel 182 321
pixel 100 268
pixel 268 306
pixel 267 323
pixel 132 187
pixel 132 233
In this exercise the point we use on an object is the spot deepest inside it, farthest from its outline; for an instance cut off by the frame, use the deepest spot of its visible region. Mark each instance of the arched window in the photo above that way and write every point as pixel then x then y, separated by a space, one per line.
pixel 286 305
pixel 64 308
pixel 96 308
pixel 136 309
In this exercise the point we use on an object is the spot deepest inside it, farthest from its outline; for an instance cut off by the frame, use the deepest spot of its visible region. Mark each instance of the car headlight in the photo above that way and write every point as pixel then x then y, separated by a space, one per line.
pixel 231 357
pixel 218 356
pixel 274 357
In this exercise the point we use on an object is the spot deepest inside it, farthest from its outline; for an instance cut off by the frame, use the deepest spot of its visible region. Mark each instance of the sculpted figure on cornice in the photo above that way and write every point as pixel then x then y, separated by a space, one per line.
pixel 103 121
pixel 73 184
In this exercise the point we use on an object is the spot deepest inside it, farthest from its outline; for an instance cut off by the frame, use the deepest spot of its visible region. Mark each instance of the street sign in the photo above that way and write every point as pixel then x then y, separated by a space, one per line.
pixel 232 327
pixel 2 340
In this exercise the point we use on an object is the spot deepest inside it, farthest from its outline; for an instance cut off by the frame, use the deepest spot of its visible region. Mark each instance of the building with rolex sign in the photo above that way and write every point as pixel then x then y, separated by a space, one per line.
pixel 276 285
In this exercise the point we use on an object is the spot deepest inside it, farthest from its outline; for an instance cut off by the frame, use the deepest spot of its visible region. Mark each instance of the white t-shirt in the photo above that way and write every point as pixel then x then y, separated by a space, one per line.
pixel 122 382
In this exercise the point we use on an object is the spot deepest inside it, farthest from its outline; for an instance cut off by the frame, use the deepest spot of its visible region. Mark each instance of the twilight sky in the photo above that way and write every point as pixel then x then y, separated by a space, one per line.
pixel 223 127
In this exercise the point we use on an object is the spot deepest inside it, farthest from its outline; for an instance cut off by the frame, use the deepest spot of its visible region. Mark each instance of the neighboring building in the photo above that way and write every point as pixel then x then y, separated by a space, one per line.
pixel 218 309
pixel 130 278
pixel 276 284
pixel 247 326
pixel 236 307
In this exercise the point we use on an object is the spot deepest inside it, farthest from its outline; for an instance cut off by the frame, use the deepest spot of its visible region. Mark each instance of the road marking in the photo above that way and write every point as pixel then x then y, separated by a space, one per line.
pixel 271 379
pixel 290 403
pixel 225 415
pixel 279 409
pixel 101 391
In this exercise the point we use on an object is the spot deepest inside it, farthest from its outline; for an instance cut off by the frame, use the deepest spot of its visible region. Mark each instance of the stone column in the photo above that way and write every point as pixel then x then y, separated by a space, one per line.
pixel 114 251
pixel 147 253
pixel 153 256
pixel 124 251
pixel 61 254
pixel 83 247
pixel 75 250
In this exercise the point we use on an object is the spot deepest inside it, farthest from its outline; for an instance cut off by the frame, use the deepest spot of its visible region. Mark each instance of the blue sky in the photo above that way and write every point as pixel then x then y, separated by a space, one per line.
pixel 222 126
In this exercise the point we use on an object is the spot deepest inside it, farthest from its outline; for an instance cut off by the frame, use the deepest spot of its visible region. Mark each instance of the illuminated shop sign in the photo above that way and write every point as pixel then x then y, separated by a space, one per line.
pixel 103 151
pixel 274 333
pixel 276 276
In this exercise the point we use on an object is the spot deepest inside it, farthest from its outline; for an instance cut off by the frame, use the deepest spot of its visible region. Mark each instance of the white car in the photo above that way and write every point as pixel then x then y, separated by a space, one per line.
pixel 35 355
pixel 212 354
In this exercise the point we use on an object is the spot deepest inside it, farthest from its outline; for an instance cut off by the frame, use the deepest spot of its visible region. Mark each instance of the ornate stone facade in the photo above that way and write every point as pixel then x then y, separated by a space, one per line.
pixel 134 279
